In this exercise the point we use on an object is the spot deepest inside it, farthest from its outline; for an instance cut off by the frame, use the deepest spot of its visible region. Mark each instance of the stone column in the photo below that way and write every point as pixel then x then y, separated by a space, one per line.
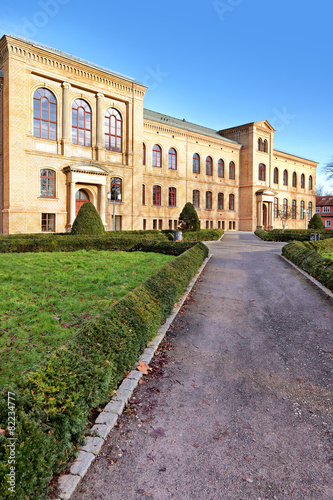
pixel 270 215
pixel 260 214
pixel 101 197
pixel 99 125
pixel 72 204
pixel 66 118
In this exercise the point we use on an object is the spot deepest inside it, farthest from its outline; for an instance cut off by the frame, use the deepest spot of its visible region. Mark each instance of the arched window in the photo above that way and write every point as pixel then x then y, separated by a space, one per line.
pixel 196 198
pixel 81 123
pixel 209 165
pixel 302 181
pixel 285 178
pixel 310 183
pixel 45 114
pixel 265 146
pixel 113 128
pixel 47 183
pixel 220 201
pixel 262 172
pixel 196 163
pixel 208 200
pixel 285 207
pixel 143 194
pixel 294 180
pixel 231 202
pixel 276 207
pixel 220 168
pixel 116 189
pixel 157 195
pixel 157 156
pixel 144 154
pixel 293 209
pixel 172 197
pixel 232 170
pixel 276 176
pixel 260 144
pixel 172 159
pixel 310 209
pixel 302 209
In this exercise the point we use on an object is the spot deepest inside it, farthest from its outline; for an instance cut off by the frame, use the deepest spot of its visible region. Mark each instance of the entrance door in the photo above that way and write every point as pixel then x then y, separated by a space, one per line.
pixel 81 197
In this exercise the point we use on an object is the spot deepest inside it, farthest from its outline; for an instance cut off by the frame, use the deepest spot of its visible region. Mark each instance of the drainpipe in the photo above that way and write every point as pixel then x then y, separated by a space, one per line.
pixel 1 153
pixel 186 172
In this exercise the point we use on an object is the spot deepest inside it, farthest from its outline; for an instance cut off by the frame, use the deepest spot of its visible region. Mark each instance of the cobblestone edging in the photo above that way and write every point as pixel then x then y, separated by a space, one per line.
pixel 310 278
pixel 108 417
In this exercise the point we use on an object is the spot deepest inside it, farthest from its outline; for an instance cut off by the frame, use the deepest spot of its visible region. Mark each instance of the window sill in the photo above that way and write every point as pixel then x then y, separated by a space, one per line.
pixel 50 198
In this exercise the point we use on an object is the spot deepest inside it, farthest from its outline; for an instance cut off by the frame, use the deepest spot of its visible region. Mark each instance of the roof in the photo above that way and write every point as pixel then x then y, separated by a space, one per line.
pixel 183 124
pixel 71 58
pixel 324 201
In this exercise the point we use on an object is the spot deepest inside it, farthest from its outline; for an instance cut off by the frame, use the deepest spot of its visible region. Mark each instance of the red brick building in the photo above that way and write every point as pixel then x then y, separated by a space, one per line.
pixel 324 207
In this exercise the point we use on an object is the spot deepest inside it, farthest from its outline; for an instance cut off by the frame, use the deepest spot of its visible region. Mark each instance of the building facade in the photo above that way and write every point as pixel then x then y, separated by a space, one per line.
pixel 73 132
pixel 324 207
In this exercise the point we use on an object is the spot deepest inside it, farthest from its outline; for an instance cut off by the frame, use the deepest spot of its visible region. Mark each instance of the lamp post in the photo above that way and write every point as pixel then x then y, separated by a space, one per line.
pixel 114 201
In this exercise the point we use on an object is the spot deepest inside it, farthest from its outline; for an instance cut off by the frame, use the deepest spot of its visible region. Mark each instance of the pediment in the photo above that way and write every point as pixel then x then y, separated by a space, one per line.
pixel 265 125
pixel 266 192
pixel 87 167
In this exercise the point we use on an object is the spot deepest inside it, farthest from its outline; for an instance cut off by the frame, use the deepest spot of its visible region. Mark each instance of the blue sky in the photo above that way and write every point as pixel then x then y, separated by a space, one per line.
pixel 218 63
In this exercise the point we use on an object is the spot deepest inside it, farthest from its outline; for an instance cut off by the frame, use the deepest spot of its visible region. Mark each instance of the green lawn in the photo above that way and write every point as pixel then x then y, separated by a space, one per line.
pixel 44 297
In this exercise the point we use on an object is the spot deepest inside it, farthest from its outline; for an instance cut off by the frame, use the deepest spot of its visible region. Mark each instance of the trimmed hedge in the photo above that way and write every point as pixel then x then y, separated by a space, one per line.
pixel 53 402
pixel 308 257
pixel 291 234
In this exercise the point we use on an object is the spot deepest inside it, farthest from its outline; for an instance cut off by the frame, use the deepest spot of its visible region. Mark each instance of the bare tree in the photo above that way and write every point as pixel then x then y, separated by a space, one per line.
pixel 328 170
pixel 284 214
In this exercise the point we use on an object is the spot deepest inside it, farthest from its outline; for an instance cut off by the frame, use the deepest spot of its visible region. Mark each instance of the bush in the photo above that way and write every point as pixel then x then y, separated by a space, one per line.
pixel 88 221
pixel 307 257
pixel 53 403
pixel 316 222
pixel 188 219
pixel 291 234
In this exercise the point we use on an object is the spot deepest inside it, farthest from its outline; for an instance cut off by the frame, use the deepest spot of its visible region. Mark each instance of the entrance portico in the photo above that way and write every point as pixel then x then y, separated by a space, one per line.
pixel 90 178
pixel 265 200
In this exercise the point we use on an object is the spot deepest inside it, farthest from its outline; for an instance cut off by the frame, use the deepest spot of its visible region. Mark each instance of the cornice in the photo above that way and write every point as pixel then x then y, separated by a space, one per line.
pixel 190 135
pixel 291 157
pixel 33 54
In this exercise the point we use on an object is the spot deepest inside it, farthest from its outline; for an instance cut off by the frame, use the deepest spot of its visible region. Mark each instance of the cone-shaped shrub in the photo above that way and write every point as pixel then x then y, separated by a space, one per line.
pixel 88 221
pixel 316 222
pixel 188 219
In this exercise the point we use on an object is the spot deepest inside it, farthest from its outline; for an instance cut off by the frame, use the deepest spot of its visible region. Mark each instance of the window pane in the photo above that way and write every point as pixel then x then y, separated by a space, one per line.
pixel 88 121
pixel 74 136
pixel 52 113
pixel 36 109
pixel 45 109
pixel 88 138
pixel 74 118
pixel 81 137
pixel 43 185
pixel 51 187
pixel 36 128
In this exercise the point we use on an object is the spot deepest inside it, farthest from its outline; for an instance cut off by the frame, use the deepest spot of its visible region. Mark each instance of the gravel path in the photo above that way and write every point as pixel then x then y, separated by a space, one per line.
pixel 239 403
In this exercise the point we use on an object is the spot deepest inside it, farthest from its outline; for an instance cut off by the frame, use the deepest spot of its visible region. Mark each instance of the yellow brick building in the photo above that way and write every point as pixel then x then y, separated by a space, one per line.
pixel 72 131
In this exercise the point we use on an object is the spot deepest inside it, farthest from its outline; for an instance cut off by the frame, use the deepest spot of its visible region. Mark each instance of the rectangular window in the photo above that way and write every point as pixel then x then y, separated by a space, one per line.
pixel 317 210
pixel 218 224
pixel 118 224
pixel 211 224
pixel 327 223
pixel 48 223
pixel 230 224
pixel 144 224
pixel 170 224
pixel 154 223
pixel 326 209
pixel 160 224
pixel 207 224
pixel 175 225
pixel 223 225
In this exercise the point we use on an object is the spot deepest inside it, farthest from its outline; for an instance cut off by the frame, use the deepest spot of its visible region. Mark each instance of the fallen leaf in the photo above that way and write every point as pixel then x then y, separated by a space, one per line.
pixel 2 431
pixel 65 325
pixel 143 367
